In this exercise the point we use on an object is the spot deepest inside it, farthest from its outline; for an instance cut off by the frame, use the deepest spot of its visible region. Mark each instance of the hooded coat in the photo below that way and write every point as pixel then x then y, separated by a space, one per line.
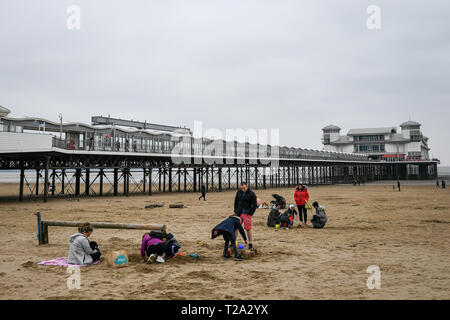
pixel 229 225
pixel 80 250
pixel 320 218
pixel 301 196
pixel 273 218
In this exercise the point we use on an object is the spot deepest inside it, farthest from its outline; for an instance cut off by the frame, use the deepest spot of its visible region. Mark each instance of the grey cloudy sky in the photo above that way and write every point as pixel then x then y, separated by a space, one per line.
pixel 293 65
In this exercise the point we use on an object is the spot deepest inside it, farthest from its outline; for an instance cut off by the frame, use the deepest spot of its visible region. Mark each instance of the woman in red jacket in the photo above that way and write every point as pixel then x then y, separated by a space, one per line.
pixel 301 197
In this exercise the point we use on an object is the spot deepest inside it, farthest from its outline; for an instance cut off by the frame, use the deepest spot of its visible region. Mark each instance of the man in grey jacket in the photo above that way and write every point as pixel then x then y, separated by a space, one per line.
pixel 320 218
pixel 81 250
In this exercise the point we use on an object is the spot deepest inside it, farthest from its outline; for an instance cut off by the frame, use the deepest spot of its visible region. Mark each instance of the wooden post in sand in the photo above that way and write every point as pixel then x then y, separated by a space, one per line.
pixel 43 226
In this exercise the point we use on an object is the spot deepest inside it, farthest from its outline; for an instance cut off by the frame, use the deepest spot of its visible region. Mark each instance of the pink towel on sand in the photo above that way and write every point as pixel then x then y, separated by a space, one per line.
pixel 62 262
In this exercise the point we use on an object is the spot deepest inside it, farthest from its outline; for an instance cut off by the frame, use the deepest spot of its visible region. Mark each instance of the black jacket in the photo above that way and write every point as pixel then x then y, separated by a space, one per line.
pixel 273 218
pixel 245 201
pixel 229 225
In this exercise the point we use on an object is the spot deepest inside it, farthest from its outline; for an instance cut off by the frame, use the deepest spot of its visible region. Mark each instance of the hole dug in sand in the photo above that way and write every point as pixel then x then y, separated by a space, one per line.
pixel 247 254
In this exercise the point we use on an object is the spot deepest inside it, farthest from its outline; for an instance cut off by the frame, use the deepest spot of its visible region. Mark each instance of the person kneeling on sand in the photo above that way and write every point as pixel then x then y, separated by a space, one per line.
pixel 274 216
pixel 155 246
pixel 227 229
pixel 172 246
pixel 320 218
pixel 81 250
pixel 287 218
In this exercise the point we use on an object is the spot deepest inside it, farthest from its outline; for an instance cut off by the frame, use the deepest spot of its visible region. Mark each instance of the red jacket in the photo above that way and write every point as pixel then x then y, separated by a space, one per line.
pixel 301 196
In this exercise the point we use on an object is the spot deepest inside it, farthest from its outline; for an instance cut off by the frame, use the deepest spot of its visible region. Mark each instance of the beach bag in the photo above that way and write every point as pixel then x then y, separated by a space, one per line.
pixel 117 259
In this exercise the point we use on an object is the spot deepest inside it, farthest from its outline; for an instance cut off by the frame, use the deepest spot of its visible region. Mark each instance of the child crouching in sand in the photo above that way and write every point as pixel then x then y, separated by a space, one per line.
pixel 227 229
pixel 154 245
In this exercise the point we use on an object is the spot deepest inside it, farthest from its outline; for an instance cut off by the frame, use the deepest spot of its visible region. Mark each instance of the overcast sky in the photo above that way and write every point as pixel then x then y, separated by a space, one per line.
pixel 293 65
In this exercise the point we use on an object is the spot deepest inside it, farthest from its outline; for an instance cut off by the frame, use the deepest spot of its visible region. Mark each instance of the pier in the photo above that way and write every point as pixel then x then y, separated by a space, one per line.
pixel 105 159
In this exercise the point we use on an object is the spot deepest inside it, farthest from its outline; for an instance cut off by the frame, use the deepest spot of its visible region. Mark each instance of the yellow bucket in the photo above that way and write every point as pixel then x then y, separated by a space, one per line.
pixel 277 226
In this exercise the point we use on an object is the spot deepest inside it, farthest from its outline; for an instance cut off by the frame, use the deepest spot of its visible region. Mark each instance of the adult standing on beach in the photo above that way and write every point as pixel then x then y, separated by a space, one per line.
pixel 443 184
pixel 203 191
pixel 399 186
pixel 301 197
pixel 245 205
pixel 437 184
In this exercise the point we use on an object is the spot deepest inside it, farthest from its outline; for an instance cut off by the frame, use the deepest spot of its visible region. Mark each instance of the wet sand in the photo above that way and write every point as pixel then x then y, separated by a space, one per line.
pixel 406 234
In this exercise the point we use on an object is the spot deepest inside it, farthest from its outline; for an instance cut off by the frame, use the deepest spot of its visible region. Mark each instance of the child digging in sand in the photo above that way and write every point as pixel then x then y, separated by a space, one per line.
pixel 227 229
pixel 154 245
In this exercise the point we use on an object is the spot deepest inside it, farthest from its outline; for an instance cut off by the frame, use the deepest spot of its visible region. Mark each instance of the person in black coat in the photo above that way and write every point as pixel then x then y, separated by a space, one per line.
pixel 245 205
pixel 228 229
pixel 274 217
pixel 203 191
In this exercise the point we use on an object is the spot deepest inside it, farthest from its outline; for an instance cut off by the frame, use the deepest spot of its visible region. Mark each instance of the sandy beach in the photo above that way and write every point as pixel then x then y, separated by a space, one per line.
pixel 406 234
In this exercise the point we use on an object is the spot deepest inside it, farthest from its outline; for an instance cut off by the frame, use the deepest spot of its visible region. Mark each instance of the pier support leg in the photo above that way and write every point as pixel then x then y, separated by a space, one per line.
pixel 22 180
pixel 102 173
pixel 77 181
pixel 159 179
pixel 63 181
pixel 87 182
pixel 164 179
pixel 195 179
pixel 170 179
pixel 116 182
pixel 144 181
pixel 264 178
pixel 53 182
pixel 46 184
pixel 185 180
pixel 150 181
pixel 37 182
